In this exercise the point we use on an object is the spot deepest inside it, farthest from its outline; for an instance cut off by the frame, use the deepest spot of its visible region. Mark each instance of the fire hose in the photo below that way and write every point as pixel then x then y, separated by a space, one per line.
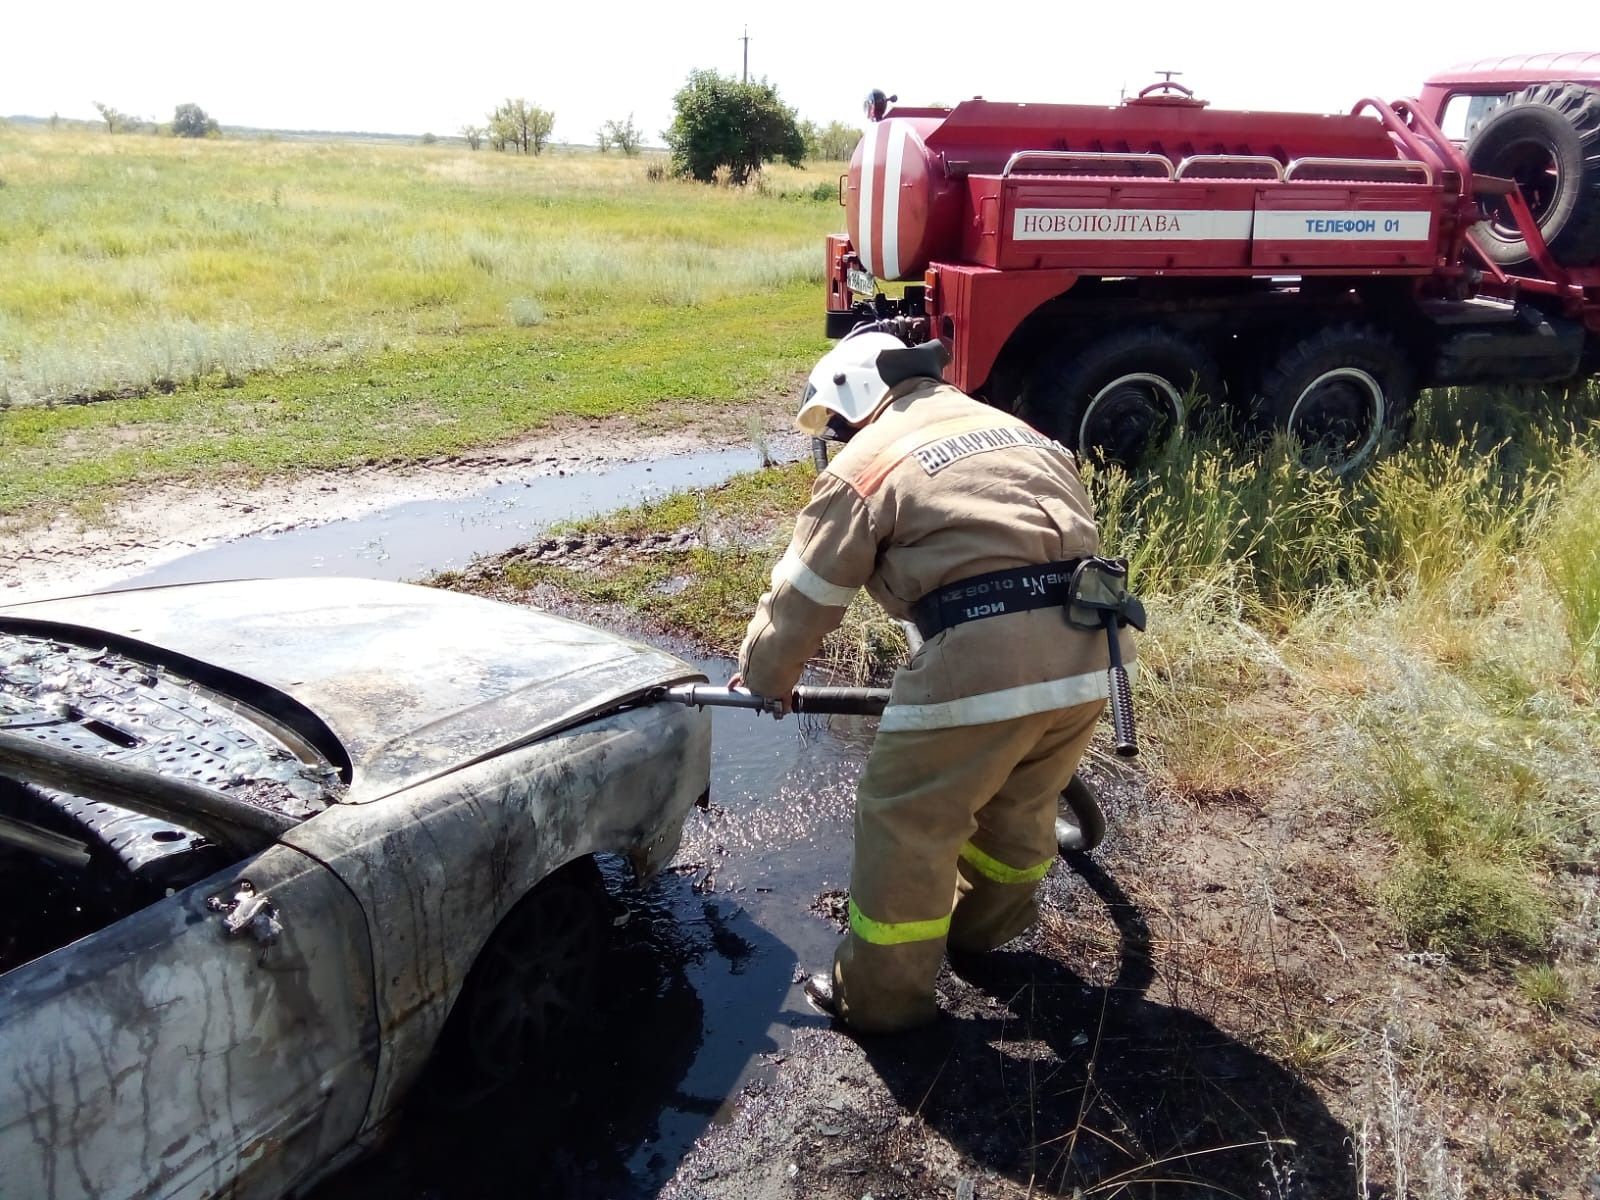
pixel 1078 798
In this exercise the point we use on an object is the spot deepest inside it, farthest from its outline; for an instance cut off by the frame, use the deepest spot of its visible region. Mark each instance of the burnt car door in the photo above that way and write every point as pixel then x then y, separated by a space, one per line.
pixel 221 1040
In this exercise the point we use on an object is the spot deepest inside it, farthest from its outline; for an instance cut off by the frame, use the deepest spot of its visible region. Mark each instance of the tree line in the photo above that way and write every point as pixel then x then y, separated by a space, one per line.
pixel 514 125
pixel 722 128
pixel 188 120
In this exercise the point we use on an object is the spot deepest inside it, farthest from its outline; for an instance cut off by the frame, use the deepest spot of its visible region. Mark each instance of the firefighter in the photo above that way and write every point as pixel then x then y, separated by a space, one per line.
pixel 968 522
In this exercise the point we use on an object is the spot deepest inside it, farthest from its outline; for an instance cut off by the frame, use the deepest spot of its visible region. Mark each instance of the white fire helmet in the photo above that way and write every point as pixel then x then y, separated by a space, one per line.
pixel 846 381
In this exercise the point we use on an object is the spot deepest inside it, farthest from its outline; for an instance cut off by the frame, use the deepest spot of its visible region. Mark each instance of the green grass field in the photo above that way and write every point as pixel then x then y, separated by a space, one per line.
pixel 248 306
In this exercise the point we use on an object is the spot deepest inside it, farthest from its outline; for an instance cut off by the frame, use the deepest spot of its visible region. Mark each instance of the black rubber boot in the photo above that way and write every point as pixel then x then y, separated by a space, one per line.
pixel 1069 838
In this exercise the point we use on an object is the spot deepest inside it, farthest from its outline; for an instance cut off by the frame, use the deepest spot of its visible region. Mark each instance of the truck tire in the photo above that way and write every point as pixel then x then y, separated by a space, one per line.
pixel 1122 399
pixel 1338 392
pixel 1546 139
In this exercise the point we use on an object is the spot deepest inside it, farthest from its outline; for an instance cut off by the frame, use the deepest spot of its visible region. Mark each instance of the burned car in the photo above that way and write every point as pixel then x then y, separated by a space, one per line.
pixel 271 851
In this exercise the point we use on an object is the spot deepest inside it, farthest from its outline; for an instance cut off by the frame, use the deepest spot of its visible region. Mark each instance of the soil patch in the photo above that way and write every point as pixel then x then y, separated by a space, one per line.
pixel 1207 1007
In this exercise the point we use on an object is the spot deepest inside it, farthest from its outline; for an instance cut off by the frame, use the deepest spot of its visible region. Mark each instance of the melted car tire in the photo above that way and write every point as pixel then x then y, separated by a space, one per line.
pixel 1547 139
pixel 1349 381
pixel 1123 398
pixel 528 989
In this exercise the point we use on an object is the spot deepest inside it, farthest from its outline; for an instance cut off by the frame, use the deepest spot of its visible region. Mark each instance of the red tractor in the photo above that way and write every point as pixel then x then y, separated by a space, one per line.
pixel 1109 271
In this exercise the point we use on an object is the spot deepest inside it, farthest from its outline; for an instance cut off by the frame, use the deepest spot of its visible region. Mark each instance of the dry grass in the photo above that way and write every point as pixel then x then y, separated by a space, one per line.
pixel 1421 641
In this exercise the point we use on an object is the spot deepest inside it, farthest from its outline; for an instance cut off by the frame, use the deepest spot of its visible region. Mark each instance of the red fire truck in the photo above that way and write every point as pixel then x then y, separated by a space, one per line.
pixel 1113 273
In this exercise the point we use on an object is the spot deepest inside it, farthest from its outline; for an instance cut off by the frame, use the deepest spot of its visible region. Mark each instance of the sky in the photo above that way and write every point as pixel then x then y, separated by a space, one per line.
pixel 408 68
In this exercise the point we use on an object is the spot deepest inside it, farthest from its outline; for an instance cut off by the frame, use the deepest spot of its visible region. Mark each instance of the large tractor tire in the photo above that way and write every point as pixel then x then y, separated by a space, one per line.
pixel 1338 392
pixel 1122 399
pixel 1547 140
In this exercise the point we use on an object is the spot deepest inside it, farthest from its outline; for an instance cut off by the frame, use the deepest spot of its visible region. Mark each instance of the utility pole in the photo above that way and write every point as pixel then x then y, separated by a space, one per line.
pixel 746 40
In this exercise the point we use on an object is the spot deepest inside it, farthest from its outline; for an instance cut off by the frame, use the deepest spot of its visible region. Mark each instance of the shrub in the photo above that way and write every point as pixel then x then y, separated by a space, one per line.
pixel 722 124
pixel 191 121
pixel 525 312
pixel 624 135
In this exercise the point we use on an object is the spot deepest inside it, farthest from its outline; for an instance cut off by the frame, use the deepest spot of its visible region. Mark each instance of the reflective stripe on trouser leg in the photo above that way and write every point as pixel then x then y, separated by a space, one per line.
pixel 1015 843
pixel 915 809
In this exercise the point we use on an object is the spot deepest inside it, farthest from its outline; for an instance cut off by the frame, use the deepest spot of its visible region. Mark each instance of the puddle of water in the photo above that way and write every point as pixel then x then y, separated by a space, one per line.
pixel 407 541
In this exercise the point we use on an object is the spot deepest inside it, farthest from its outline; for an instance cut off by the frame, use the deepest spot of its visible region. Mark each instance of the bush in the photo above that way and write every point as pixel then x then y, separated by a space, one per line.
pixel 623 135
pixel 525 312
pixel 722 124
pixel 191 121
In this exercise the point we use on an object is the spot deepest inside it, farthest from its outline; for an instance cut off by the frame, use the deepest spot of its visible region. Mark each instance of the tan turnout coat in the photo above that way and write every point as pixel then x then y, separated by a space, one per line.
pixel 940 487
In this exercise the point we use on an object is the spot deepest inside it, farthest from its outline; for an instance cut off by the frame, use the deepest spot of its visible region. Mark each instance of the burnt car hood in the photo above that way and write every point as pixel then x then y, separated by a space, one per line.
pixel 412 681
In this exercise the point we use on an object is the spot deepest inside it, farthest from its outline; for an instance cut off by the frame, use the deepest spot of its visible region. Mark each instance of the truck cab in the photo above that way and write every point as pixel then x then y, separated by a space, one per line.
pixel 1459 99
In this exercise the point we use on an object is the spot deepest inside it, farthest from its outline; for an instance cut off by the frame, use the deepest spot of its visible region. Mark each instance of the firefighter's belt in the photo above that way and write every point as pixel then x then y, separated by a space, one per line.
pixel 1020 589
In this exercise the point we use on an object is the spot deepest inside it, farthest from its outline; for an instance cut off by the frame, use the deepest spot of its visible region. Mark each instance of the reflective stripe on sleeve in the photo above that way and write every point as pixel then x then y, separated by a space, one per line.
pixel 808 583
pixel 992 868
pixel 988 707
pixel 895 933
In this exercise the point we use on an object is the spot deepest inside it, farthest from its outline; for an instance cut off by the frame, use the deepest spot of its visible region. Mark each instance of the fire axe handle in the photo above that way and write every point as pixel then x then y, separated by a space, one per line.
pixel 1121 693
pixel 868 702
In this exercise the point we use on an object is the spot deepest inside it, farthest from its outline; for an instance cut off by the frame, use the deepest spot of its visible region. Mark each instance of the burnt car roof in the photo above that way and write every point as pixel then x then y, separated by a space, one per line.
pixel 412 681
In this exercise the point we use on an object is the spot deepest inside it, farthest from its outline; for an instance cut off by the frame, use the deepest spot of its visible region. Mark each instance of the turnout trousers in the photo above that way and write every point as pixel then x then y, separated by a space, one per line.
pixel 954 829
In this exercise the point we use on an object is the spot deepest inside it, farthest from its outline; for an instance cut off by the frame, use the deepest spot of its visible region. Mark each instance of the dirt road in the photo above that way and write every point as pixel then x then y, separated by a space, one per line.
pixel 73 553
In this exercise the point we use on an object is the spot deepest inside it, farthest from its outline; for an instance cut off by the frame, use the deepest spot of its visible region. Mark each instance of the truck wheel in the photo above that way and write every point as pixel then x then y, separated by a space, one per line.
pixel 1546 139
pixel 1337 392
pixel 1122 399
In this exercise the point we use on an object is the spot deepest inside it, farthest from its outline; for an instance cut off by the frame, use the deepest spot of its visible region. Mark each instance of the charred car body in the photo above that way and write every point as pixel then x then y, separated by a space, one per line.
pixel 265 847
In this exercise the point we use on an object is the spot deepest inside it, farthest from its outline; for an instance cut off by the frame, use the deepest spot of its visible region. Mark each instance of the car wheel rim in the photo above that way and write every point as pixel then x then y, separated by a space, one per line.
pixel 1340 414
pixel 531 987
pixel 1130 418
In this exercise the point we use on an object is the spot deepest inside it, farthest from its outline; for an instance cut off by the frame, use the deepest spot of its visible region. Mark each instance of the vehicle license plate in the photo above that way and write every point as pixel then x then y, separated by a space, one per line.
pixel 861 282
